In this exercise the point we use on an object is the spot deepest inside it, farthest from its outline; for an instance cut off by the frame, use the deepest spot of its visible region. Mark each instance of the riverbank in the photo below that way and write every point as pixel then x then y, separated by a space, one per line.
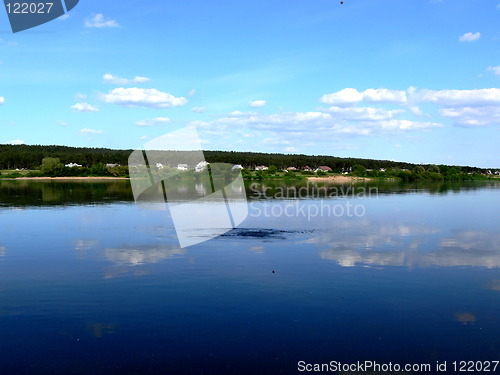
pixel 339 179
pixel 72 178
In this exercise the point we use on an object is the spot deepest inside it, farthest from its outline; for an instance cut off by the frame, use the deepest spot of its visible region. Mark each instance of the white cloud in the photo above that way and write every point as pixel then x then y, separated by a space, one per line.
pixel 290 149
pixel 84 107
pixel 241 113
pixel 410 97
pixel 136 97
pixel 479 97
pixel 90 132
pixel 317 125
pixel 384 96
pixel 114 80
pixel 470 37
pixel 344 96
pixel 258 103
pixel 80 97
pixel 157 121
pixel 99 21
pixel 350 96
pixel 416 110
pixel 363 113
pixel 62 123
pixel 389 112
pixel 2 100
pixel 473 116
pixel 198 109
pixel 407 125
pixel 495 69
pixel 17 142
pixel 192 92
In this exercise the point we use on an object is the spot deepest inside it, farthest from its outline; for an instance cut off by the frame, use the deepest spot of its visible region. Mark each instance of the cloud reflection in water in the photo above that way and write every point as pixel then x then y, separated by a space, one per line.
pixel 410 246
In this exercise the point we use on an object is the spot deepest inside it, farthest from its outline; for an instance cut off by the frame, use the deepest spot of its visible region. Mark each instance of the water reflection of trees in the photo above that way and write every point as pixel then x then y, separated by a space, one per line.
pixel 23 193
pixel 306 189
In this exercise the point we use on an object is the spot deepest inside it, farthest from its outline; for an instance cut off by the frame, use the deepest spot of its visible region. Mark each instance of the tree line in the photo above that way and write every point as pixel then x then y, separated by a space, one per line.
pixel 30 157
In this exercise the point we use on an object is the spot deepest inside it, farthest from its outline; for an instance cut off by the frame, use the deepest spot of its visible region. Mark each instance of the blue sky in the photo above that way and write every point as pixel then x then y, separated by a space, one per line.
pixel 415 81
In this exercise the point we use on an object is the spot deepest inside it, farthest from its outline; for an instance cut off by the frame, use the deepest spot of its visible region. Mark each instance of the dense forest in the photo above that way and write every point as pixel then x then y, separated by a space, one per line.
pixel 30 157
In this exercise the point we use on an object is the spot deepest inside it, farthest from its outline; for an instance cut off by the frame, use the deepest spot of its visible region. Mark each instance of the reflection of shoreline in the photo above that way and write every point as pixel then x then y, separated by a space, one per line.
pixel 70 178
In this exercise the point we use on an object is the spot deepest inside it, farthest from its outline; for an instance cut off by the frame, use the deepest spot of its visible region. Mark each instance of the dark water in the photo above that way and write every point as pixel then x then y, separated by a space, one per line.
pixel 90 283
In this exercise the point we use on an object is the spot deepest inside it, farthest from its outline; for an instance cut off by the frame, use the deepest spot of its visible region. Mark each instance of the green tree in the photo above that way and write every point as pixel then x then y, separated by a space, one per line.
pixel 272 169
pixel 359 170
pixel 419 169
pixel 99 169
pixel 433 169
pixel 51 166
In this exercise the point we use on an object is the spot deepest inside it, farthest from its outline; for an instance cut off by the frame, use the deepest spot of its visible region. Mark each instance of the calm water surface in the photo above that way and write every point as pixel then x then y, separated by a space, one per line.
pixel 90 283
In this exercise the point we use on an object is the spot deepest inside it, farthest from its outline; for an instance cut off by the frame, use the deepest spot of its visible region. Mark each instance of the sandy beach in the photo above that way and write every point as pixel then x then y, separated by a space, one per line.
pixel 338 179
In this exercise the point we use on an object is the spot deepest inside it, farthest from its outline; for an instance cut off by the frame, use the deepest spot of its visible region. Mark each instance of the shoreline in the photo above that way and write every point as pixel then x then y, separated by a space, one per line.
pixel 339 179
pixel 72 178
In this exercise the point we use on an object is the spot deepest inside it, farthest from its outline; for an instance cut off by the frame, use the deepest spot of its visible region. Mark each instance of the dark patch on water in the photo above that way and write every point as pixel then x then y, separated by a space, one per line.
pixel 262 233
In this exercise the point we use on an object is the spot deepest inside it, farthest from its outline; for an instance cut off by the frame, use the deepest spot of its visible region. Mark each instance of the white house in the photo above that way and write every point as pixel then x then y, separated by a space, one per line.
pixel 237 166
pixel 71 165
pixel 323 168
pixel 201 166
pixel 182 167
pixel 261 168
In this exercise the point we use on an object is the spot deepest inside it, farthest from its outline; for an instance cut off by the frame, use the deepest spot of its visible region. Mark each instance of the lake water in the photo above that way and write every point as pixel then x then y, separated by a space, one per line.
pixel 91 283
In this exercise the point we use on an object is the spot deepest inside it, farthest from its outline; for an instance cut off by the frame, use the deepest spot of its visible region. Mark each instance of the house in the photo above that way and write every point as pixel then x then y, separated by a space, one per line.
pixel 112 165
pixel 382 169
pixel 182 167
pixel 307 168
pixel 71 165
pixel 159 166
pixel 323 168
pixel 237 166
pixel 291 169
pixel 261 168
pixel 346 170
pixel 201 166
